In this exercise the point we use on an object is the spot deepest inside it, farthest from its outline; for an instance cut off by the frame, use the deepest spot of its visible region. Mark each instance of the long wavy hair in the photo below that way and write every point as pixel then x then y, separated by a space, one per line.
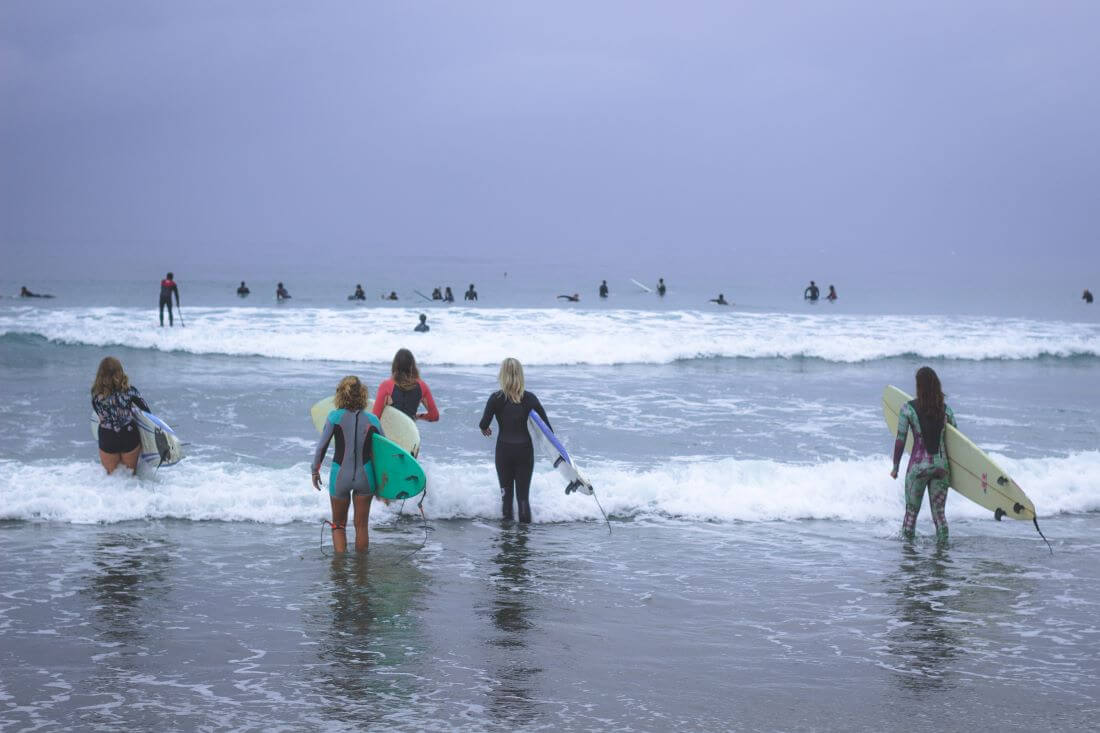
pixel 403 370
pixel 511 379
pixel 109 378
pixel 929 394
pixel 351 394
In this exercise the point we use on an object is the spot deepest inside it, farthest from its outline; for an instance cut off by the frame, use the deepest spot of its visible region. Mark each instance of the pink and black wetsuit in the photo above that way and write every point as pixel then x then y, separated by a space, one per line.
pixel 406 400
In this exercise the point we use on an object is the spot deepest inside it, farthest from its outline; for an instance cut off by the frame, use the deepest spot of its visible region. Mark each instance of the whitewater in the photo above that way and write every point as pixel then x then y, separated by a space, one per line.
pixel 478 337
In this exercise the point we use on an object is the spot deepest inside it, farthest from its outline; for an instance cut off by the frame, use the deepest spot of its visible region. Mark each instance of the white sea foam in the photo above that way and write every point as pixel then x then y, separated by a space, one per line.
pixel 470 336
pixel 707 490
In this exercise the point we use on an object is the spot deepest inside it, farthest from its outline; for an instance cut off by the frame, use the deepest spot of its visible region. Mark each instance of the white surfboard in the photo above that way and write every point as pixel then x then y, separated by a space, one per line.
pixel 973 473
pixel 643 287
pixel 550 447
pixel 160 446
pixel 396 425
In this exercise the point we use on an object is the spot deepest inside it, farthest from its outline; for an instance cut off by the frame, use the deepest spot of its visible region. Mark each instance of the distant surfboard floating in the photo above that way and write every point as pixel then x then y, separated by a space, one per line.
pixel 973 473
pixel 548 444
pixel 160 446
pixel 643 287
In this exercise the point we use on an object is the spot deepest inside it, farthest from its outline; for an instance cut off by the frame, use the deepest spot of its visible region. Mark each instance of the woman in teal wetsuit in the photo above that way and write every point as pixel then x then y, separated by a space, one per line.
pixel 351 478
pixel 928 417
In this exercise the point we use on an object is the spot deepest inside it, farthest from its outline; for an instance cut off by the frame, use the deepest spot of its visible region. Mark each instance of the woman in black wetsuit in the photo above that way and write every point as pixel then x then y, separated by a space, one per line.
pixel 515 455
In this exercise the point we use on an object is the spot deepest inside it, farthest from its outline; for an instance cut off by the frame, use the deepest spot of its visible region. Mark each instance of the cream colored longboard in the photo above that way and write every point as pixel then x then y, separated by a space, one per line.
pixel 973 473
pixel 396 425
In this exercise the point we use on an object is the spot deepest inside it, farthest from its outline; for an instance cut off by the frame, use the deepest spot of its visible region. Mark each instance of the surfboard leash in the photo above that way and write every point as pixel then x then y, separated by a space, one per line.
pixel 598 504
pixel 423 521
pixel 1036 522
pixel 334 526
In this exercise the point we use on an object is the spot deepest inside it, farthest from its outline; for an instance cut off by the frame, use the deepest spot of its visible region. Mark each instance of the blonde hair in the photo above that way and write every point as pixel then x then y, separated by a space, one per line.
pixel 511 379
pixel 110 378
pixel 351 394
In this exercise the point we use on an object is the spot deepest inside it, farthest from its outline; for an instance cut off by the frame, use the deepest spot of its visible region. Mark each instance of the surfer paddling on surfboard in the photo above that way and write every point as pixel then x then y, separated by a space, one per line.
pixel 927 416
pixel 515 453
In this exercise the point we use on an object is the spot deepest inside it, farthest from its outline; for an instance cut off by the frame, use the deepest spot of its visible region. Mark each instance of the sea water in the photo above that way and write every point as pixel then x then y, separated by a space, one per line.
pixel 753 577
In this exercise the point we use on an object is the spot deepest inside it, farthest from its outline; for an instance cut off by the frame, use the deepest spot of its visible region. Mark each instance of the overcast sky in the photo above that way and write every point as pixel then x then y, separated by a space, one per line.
pixel 138 133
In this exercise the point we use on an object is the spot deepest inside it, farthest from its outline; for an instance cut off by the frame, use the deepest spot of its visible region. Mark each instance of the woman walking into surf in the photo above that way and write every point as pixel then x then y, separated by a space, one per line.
pixel 515 453
pixel 351 478
pixel 928 416
pixel 113 400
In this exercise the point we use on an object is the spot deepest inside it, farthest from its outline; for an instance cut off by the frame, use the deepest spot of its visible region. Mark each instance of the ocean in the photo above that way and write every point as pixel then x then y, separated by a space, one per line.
pixel 753 577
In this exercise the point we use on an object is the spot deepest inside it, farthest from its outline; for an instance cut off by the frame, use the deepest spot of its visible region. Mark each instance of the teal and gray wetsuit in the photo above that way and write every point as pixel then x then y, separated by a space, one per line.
pixel 352 469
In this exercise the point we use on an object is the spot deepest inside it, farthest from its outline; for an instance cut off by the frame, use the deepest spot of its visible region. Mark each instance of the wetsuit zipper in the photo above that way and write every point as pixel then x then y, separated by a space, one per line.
pixel 355 448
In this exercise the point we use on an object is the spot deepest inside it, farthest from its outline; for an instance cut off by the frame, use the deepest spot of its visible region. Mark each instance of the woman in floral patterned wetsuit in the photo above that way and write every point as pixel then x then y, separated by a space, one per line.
pixel 927 416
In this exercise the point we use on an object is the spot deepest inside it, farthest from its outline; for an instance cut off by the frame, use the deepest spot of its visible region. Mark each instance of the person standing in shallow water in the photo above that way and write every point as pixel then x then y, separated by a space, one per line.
pixel 351 478
pixel 927 416
pixel 114 399
pixel 168 287
pixel 515 453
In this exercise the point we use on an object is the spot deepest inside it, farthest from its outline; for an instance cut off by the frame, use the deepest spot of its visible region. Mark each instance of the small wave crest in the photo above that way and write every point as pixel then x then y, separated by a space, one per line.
pixel 705 490
pixel 474 337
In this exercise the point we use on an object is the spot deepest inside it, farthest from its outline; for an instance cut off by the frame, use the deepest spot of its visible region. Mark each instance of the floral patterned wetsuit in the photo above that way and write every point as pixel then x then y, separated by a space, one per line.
pixel 925 470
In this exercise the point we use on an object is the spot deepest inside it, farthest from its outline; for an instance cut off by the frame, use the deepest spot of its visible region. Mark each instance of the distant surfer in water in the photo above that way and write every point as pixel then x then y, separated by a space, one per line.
pixel 351 478
pixel 405 390
pixel 281 293
pixel 1086 296
pixel 720 300
pixel 927 416
pixel 359 294
pixel 423 326
pixel 391 296
pixel 471 294
pixel 113 399
pixel 437 294
pixel 812 292
pixel 243 290
pixel 831 297
pixel 515 453
pixel 168 287
pixel 603 289
pixel 661 286
pixel 448 296
pixel 24 293
pixel 574 298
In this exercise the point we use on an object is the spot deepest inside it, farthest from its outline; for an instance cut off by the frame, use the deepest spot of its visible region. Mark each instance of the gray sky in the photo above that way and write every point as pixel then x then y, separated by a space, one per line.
pixel 134 135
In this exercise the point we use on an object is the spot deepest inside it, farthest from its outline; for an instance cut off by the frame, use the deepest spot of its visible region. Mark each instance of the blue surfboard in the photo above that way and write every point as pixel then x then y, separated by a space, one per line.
pixel 545 440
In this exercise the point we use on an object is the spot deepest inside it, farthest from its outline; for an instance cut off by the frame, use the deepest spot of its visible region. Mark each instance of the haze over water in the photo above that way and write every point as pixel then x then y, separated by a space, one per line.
pixel 936 163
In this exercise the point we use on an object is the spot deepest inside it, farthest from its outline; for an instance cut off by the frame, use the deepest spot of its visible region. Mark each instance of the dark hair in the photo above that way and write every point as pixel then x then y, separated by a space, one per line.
pixel 403 370
pixel 169 277
pixel 929 394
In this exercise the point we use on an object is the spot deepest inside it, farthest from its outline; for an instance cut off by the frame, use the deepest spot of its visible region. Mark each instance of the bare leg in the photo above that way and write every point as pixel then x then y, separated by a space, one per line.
pixel 130 459
pixel 362 514
pixel 339 519
pixel 110 461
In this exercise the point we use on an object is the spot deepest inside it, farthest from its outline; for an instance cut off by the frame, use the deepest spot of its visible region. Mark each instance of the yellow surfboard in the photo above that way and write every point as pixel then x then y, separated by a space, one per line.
pixel 973 473
pixel 396 425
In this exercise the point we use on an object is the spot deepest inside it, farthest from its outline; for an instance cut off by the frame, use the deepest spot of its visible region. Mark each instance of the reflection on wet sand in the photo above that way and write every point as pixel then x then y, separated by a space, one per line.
pixel 366 624
pixel 513 678
pixel 130 570
pixel 922 645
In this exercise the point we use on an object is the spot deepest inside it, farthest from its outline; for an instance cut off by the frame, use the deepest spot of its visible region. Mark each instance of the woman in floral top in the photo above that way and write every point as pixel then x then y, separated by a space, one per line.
pixel 113 399
pixel 928 417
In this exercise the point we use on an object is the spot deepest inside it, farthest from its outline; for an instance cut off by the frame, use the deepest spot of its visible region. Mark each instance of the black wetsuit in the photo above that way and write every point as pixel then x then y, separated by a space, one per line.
pixel 515 454
pixel 603 290
pixel 167 287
